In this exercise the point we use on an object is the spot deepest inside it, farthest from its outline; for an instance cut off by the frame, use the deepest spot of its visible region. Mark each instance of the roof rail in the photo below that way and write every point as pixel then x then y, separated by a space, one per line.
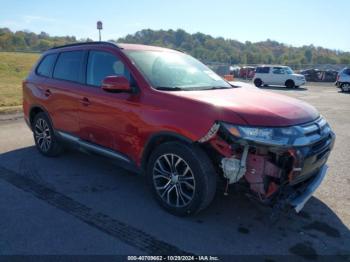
pixel 86 43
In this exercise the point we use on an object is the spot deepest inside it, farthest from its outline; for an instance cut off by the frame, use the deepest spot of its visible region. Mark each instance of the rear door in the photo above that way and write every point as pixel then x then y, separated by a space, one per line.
pixel 62 89
pixel 264 74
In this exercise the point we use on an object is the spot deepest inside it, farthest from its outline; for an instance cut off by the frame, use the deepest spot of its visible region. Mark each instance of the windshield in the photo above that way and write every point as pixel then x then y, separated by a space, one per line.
pixel 175 71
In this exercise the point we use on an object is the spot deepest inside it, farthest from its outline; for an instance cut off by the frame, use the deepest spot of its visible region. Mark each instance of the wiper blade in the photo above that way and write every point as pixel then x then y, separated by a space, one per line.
pixel 217 87
pixel 169 88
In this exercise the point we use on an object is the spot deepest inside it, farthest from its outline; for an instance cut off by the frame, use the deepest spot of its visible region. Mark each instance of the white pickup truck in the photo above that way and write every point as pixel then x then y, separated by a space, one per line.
pixel 277 75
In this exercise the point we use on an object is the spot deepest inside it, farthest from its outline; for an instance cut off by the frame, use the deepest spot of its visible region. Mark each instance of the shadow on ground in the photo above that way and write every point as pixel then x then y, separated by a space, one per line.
pixel 233 224
pixel 283 88
pixel 343 93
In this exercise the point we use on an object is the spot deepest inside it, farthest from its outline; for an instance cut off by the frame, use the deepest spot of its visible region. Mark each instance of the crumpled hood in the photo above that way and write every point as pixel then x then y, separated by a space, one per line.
pixel 256 107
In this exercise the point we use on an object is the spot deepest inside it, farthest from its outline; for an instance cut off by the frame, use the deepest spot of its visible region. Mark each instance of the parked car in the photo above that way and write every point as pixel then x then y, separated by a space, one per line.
pixel 343 80
pixel 162 113
pixel 247 72
pixel 316 75
pixel 329 75
pixel 277 75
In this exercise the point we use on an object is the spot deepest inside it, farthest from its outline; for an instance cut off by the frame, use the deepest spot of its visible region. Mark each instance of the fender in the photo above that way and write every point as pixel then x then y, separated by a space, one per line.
pixel 42 109
pixel 155 139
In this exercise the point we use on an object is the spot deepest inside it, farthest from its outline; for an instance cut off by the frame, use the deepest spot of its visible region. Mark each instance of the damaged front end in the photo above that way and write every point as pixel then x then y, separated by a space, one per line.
pixel 280 167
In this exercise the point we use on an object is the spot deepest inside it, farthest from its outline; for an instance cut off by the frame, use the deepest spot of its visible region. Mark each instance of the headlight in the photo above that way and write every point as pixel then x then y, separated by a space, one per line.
pixel 300 77
pixel 270 136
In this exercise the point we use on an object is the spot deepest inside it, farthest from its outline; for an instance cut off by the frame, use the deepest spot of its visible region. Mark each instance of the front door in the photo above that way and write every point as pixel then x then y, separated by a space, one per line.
pixel 105 117
pixel 278 76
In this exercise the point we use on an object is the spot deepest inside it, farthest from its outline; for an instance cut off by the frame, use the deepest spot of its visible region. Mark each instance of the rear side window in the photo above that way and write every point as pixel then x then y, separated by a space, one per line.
pixel 347 71
pixel 46 65
pixel 262 70
pixel 102 64
pixel 69 66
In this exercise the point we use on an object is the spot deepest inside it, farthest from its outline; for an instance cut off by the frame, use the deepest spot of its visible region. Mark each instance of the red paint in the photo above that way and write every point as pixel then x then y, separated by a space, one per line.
pixel 116 84
pixel 125 121
pixel 221 146
pixel 257 168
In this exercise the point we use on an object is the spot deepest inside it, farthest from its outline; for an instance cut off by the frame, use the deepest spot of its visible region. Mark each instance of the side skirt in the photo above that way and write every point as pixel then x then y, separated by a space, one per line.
pixel 85 146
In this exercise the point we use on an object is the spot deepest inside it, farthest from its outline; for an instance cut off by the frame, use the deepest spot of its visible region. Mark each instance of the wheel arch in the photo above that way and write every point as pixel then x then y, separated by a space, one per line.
pixel 157 139
pixel 289 79
pixel 36 109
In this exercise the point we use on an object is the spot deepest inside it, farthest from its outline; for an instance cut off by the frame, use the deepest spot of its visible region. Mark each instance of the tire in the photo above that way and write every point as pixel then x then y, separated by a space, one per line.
pixel 189 164
pixel 290 84
pixel 258 82
pixel 345 87
pixel 44 136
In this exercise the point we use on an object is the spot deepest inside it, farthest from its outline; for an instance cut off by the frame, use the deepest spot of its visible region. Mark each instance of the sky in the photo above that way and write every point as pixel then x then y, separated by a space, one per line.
pixel 323 23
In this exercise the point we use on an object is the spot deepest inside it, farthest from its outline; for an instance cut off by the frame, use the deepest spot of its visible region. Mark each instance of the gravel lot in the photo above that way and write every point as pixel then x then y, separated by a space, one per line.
pixel 82 204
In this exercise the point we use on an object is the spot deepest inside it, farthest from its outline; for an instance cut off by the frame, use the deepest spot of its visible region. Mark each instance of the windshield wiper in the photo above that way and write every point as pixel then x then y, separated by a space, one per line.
pixel 169 88
pixel 217 87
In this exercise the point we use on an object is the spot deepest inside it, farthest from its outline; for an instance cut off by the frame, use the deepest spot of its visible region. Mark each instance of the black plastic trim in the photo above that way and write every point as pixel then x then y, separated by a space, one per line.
pixel 86 43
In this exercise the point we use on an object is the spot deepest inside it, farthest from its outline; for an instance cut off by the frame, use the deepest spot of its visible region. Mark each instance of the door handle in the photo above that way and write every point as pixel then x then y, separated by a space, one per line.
pixel 47 92
pixel 85 101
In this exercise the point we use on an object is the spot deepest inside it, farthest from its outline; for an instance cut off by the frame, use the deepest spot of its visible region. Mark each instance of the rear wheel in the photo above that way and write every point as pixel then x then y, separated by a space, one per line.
pixel 257 82
pixel 289 84
pixel 45 140
pixel 181 177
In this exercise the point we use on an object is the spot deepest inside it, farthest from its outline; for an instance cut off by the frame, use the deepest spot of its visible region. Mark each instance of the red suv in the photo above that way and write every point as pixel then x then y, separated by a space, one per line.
pixel 162 113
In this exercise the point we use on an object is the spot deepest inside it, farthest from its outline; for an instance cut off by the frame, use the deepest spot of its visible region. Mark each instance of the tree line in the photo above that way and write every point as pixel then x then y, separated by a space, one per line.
pixel 201 46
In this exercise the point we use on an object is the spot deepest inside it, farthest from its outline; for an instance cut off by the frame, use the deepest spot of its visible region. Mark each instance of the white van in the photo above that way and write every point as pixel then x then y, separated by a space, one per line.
pixel 277 75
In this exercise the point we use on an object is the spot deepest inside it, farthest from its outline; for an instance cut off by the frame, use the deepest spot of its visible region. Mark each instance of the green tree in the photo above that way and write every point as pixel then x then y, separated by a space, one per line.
pixel 308 55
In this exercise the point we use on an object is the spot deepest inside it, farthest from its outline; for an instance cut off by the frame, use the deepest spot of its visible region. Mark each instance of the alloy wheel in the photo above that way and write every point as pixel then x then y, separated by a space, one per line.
pixel 173 180
pixel 345 87
pixel 43 135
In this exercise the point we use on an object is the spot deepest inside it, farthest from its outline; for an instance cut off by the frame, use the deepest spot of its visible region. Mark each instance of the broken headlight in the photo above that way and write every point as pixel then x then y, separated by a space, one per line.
pixel 265 135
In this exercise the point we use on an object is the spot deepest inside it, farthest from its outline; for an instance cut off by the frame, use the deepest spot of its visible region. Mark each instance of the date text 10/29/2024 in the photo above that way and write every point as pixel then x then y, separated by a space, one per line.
pixel 173 258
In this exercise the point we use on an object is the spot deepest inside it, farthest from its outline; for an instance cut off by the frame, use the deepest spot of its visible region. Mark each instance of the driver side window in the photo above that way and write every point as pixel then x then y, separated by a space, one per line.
pixel 102 64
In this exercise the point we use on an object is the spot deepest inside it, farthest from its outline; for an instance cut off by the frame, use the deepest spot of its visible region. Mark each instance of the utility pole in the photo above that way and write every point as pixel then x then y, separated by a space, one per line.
pixel 99 27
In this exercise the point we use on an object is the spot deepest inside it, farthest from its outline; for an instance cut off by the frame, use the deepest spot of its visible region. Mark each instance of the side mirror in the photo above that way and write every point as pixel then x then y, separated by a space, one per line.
pixel 116 84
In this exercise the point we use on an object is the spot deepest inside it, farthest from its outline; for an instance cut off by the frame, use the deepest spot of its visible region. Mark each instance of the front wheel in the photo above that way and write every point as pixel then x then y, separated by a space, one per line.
pixel 181 177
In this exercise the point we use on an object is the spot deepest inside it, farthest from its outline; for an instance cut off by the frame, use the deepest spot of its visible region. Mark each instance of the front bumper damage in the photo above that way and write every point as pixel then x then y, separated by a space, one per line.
pixel 279 176
pixel 299 200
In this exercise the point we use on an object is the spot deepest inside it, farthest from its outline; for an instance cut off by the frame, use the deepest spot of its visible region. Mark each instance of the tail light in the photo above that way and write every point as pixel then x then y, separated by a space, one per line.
pixel 337 77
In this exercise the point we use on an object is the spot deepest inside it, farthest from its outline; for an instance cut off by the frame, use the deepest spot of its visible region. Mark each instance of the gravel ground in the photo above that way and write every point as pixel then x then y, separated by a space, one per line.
pixel 82 204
